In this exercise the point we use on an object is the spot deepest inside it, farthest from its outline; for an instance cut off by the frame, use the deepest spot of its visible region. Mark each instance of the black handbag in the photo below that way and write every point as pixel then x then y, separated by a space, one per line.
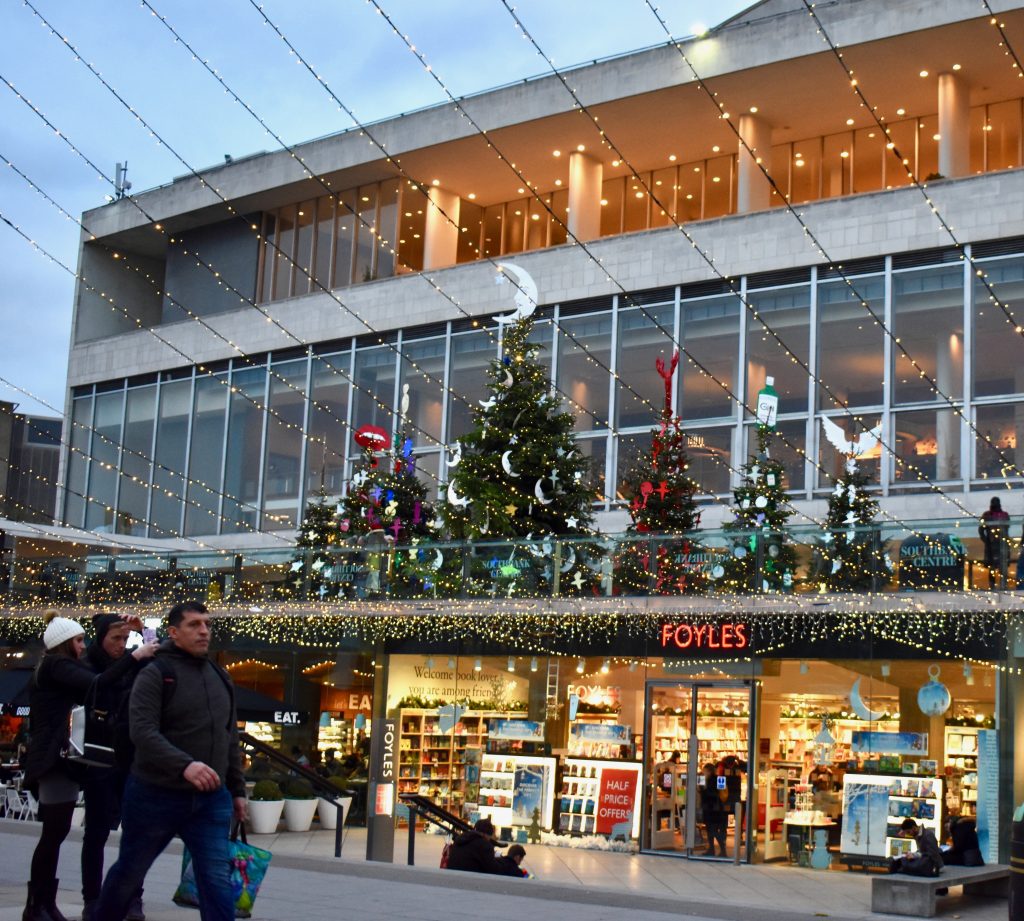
pixel 89 735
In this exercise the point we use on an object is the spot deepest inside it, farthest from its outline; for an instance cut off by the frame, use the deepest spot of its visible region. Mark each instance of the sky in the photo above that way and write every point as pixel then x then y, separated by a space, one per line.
pixel 470 44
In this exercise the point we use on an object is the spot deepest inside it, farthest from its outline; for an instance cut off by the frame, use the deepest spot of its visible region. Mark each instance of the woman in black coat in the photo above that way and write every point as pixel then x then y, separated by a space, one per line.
pixel 474 851
pixel 61 681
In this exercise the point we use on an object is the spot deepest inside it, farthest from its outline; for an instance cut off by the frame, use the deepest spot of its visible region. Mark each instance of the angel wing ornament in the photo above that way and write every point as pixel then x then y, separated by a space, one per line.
pixel 863 444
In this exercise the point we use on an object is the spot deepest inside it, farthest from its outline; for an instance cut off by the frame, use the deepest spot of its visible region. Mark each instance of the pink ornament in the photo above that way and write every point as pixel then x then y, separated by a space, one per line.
pixel 345 524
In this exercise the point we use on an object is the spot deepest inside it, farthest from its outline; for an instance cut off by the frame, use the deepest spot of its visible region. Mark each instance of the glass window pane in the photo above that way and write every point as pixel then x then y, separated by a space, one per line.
pixel 629 449
pixel 664 188
pixel 365 230
pixel 283 253
pixel 269 257
pixel 471 353
pixel 595 450
pixel 997 367
pixel 786 312
pixel 806 170
pixel 640 344
pixel 135 462
pixel 78 453
pixel 284 445
pixel 206 456
pixel 541 334
pixel 411 227
pixel 373 402
pixel 426 394
pixel 690 194
pixel 515 226
pixel 427 466
pixel 493 220
pixel 787 447
pixel 387 228
pixel 324 240
pixel 305 221
pixel 868 153
pixel 927 147
pixel 710 451
pixel 836 166
pixel 903 137
pixel 328 433
pixel 832 463
pixel 928 319
pixel 537 225
pixel 169 472
pixel 781 163
pixel 718 187
pixel 999 448
pixel 245 437
pixel 579 377
pixel 344 238
pixel 1004 135
pixel 560 221
pixel 471 219
pixel 635 203
pixel 850 359
pixel 978 136
pixel 612 191
pixel 927 446
pixel 711 335
pixel 99 511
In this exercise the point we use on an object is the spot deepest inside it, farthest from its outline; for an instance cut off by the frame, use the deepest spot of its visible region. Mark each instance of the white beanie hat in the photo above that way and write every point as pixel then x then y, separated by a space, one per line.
pixel 59 630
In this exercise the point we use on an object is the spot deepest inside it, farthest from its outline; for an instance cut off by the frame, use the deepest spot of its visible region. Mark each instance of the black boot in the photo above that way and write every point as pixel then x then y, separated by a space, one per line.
pixel 34 905
pixel 89 909
pixel 136 910
pixel 48 898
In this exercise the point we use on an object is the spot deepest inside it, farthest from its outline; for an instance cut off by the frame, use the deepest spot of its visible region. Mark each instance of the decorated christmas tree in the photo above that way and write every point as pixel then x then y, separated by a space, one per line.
pixel 319 535
pixel 518 474
pixel 661 492
pixel 761 556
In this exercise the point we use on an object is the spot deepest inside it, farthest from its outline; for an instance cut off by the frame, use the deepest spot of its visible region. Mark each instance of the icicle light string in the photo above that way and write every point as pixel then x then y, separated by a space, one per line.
pixel 607 141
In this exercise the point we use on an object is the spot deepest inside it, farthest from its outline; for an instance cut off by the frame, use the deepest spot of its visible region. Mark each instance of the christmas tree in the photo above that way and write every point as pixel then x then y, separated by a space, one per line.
pixel 661 492
pixel 762 558
pixel 319 535
pixel 849 556
pixel 518 474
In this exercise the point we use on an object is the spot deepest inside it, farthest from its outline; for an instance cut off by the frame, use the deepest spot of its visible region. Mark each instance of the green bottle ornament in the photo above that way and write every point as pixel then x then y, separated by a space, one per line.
pixel 767 404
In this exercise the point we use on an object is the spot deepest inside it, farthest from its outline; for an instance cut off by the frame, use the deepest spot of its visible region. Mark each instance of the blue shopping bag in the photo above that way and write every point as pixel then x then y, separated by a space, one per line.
pixel 248 867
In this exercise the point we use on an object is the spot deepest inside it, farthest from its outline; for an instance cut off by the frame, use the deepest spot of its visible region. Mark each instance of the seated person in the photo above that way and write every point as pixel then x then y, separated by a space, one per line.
pixel 513 861
pixel 965 850
pixel 928 859
pixel 473 851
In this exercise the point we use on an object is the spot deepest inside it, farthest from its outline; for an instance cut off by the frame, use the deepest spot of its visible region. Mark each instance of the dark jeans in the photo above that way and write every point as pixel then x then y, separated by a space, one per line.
pixel 103 789
pixel 151 817
pixel 717 824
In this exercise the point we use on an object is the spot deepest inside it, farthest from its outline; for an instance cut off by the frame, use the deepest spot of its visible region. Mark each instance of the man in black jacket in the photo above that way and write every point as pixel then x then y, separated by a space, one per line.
pixel 928 859
pixel 186 778
pixel 474 851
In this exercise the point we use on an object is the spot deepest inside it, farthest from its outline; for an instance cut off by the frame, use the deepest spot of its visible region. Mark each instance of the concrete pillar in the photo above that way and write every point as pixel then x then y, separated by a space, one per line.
pixel 441 234
pixel 954 126
pixel 753 191
pixel 585 177
pixel 949 369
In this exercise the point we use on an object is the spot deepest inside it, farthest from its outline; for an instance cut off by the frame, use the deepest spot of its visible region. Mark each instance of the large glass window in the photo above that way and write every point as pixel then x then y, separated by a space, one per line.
pixel 999 444
pixel 304 223
pixel 806 163
pixel 832 462
pixel 710 334
pixel 997 368
pixel 387 230
pixel 284 252
pixel 612 191
pixel 171 447
pixel 718 183
pixel 206 456
pixel 411 227
pixel 366 231
pixel 423 371
pixel 99 511
pixel 328 433
pixel 786 313
pixel 580 376
pixel 135 462
pixel 644 336
pixel 78 459
pixel 284 444
pixel 629 448
pixel 245 436
pixel 325 210
pixel 868 154
pixel 850 359
pixel 927 446
pixel 471 353
pixel 374 397
pixel 928 316
pixel 837 166
pixel 596 451
pixel 344 238
pixel 710 453
pixel 1003 132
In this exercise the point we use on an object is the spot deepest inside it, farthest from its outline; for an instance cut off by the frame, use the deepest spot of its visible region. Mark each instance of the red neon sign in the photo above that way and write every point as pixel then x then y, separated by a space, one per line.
pixel 704 636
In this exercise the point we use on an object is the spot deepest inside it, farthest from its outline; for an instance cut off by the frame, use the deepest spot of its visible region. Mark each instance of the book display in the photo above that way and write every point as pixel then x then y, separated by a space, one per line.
pixel 917 798
pixel 874 806
pixel 717 736
pixel 962 757
pixel 600 797
pixel 513 787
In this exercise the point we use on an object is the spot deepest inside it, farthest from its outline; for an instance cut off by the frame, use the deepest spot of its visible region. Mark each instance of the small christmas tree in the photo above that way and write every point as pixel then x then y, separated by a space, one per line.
pixel 319 534
pixel 661 492
pixel 848 555
pixel 762 558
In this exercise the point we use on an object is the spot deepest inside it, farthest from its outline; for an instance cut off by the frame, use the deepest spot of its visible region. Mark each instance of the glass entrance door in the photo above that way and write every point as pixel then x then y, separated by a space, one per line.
pixel 697 756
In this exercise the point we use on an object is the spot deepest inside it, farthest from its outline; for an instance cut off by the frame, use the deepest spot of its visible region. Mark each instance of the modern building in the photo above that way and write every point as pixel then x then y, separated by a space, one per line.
pixel 29 464
pixel 850 224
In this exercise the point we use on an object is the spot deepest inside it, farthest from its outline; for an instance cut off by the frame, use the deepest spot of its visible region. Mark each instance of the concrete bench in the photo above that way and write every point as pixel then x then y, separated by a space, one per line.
pixel 898 894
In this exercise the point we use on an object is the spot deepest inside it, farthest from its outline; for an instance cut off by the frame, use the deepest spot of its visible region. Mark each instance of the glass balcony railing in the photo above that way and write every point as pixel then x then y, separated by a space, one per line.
pixel 949 555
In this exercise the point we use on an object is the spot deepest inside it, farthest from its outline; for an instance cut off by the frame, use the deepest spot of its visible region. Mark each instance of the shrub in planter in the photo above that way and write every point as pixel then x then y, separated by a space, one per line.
pixel 265 804
pixel 299 805
pixel 326 809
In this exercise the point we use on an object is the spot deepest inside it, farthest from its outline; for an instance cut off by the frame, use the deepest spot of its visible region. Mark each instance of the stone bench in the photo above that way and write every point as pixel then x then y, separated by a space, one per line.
pixel 898 894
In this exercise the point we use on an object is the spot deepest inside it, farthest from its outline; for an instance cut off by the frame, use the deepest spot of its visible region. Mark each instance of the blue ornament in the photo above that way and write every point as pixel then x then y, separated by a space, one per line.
pixel 407 448
pixel 506 361
pixel 934 697
pixel 391 494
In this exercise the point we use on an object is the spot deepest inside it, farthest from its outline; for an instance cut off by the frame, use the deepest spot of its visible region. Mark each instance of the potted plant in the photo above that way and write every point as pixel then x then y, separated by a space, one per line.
pixel 326 809
pixel 265 804
pixel 299 805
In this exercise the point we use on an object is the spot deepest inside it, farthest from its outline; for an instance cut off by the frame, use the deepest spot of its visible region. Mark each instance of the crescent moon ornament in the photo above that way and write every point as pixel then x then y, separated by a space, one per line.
pixel 487 404
pixel 509 380
pixel 539 493
pixel 438 560
pixel 570 562
pixel 525 297
pixel 456 455
pixel 455 499
pixel 506 464
pixel 860 708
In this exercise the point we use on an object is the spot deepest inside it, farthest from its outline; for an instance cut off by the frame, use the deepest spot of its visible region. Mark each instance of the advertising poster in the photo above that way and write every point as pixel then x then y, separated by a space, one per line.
pixel 616 801
pixel 601 732
pixel 988 794
pixel 522 730
pixel 890 743
pixel 865 815
pixel 528 795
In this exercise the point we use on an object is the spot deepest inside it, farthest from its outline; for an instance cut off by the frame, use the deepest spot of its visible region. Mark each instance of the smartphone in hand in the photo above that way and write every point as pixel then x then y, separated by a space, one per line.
pixel 148 635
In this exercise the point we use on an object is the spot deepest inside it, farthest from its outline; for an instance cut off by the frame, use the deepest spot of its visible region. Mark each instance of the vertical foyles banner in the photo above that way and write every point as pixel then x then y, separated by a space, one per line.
pixel 387 754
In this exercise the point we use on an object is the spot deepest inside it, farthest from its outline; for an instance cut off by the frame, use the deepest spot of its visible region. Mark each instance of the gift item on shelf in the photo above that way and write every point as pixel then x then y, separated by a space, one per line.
pixel 962 757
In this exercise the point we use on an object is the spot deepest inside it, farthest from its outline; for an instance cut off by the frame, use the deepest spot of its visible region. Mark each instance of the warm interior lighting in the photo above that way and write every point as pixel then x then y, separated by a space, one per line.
pixel 471 196
pixel 671 158
pixel 924 73
pixel 901 111
pixel 581 147
pixel 432 182
pixel 556 153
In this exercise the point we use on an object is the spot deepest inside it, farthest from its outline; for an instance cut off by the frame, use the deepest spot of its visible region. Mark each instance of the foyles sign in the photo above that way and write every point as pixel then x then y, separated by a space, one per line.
pixel 685 635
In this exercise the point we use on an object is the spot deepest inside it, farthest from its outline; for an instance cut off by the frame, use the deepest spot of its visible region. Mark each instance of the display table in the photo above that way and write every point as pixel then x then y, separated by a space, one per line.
pixel 811 849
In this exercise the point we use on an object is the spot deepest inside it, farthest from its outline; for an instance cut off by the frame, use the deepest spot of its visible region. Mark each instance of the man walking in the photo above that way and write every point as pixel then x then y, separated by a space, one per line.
pixel 186 778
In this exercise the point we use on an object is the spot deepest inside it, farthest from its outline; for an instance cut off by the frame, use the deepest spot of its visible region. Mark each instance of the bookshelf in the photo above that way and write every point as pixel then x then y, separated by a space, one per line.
pixel 962 755
pixel 717 736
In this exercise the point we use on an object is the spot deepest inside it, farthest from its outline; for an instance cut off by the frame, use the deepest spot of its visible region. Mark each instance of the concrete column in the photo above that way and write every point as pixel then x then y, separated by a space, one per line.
pixel 954 126
pixel 753 191
pixel 441 235
pixel 949 369
pixel 585 177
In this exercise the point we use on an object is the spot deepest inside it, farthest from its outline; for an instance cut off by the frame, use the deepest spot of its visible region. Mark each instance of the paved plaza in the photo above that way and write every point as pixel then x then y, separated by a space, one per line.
pixel 306 882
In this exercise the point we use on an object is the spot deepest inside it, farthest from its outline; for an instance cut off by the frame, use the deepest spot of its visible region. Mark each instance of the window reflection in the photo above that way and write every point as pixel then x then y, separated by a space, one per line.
pixel 927 446
pixel 284 445
pixel 582 375
pixel 245 436
pixel 99 515
pixel 133 496
pixel 997 367
pixel 644 336
pixel 850 344
pixel 999 445
pixel 787 446
pixel 328 432
pixel 426 395
pixel 471 353
pixel 786 313
pixel 205 463
pixel 710 334
pixel 171 450
pixel 710 453
pixel 832 462
pixel 78 454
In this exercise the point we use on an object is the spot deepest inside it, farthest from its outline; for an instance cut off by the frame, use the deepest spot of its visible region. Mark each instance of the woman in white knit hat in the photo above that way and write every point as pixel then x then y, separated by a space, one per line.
pixel 60 682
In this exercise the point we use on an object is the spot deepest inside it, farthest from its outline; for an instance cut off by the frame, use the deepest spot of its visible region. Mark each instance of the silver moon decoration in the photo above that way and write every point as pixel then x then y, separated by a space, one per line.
pixel 539 493
pixel 506 464
pixel 860 708
pixel 570 562
pixel 509 380
pixel 526 292
pixel 438 560
pixel 456 455
pixel 454 498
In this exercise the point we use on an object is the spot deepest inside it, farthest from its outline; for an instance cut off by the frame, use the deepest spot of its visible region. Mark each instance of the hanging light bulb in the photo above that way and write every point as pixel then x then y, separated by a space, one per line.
pixel 886 669
pixel 533 664
pixel 511 663
pixel 968 673
pixel 804 668
pixel 430 662
pixel 451 662
pixel 478 664
pixel 579 666
pixel 632 666
pixel 605 665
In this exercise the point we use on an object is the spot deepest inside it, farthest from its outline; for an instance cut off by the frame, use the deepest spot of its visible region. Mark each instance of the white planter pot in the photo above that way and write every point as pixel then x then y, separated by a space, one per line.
pixel 264 814
pixel 328 814
pixel 298 814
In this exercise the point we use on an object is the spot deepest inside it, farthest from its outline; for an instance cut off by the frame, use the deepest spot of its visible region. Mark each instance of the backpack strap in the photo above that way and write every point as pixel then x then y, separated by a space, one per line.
pixel 169 676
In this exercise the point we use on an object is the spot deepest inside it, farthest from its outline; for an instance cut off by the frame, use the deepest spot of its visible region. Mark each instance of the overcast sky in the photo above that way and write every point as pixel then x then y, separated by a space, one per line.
pixel 471 44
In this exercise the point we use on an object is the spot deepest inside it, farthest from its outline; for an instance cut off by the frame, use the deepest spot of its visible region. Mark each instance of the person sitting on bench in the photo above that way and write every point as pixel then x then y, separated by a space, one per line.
pixel 928 859
pixel 965 852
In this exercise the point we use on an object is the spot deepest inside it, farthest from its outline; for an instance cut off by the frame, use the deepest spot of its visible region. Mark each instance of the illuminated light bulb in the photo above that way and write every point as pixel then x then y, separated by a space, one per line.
pixel 533 664
pixel 478 664
pixel 579 666
pixel 804 668
pixel 451 662
pixel 556 153
pixel 886 668
pixel 430 662
pixel 581 147
pixel 924 73
pixel 968 673
pixel 605 665
pixel 511 663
